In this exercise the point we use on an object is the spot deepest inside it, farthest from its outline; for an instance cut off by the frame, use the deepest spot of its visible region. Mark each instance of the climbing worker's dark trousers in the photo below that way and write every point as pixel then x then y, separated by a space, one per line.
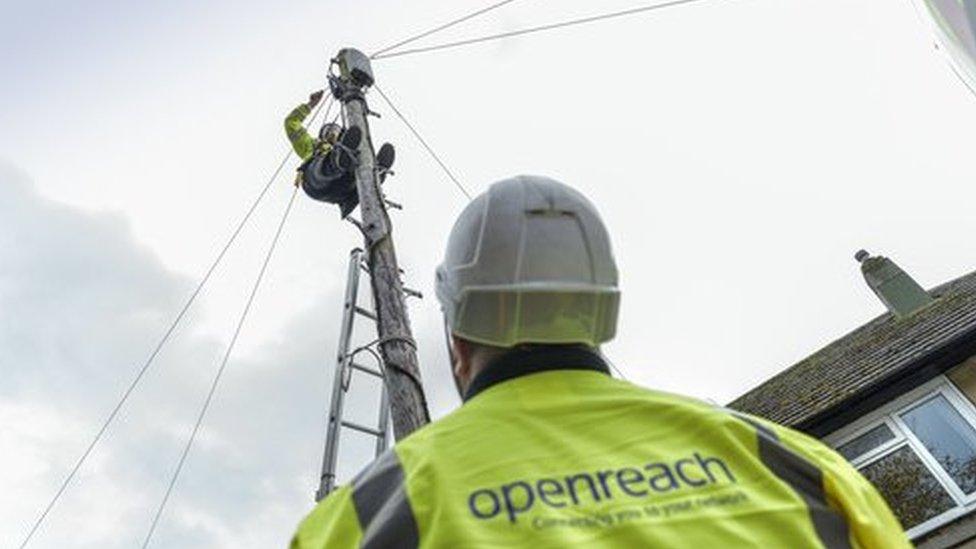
pixel 324 181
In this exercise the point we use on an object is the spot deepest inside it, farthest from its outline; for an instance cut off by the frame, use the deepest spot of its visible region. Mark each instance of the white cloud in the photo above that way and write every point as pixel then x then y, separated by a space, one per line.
pixel 82 305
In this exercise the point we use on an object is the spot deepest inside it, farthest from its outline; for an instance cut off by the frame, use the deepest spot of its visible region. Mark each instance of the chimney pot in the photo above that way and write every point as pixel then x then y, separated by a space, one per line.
pixel 893 286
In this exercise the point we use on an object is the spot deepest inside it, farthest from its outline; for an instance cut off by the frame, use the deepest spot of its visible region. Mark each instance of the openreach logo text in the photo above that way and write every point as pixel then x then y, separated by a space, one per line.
pixel 517 497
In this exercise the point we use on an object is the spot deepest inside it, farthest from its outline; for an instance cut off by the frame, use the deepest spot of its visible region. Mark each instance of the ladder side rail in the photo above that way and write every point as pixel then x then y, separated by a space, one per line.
pixel 343 359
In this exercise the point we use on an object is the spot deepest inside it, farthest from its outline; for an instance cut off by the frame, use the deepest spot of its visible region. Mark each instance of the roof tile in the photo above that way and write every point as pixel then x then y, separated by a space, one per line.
pixel 864 357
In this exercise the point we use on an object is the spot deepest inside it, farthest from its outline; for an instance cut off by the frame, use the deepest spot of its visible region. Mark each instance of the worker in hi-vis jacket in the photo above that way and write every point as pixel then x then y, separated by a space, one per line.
pixel 326 173
pixel 549 450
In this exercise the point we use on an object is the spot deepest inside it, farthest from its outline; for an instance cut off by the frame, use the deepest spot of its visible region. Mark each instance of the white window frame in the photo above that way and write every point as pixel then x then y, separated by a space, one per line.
pixel 889 414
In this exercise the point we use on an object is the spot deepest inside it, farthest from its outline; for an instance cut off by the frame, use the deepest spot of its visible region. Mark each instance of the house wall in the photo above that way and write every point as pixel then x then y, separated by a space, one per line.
pixel 963 376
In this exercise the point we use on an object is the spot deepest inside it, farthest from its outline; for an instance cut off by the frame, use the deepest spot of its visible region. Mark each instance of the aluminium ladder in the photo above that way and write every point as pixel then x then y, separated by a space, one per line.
pixel 346 366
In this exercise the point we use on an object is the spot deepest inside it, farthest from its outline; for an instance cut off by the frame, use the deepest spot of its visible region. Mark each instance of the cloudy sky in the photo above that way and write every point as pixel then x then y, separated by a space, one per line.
pixel 740 150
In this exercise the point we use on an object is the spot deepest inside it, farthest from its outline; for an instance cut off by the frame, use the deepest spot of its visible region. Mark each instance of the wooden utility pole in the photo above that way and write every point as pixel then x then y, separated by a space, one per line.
pixel 396 344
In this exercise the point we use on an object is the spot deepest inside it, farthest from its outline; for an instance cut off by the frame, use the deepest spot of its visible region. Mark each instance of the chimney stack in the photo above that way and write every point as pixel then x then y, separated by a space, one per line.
pixel 898 291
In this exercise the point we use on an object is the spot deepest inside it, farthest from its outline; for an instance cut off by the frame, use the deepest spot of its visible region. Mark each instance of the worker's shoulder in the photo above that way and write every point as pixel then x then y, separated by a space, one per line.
pixel 543 400
pixel 796 441
pixel 625 393
pixel 719 420
pixel 659 396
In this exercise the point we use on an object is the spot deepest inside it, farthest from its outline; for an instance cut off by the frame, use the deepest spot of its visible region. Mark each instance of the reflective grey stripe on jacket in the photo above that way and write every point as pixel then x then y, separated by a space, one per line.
pixel 806 480
pixel 379 495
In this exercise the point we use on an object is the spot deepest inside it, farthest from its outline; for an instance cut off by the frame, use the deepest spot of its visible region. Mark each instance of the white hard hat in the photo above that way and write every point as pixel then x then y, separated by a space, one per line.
pixel 329 127
pixel 529 261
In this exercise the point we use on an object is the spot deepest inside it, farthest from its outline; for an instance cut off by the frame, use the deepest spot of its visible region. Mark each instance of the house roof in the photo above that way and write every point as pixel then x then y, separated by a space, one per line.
pixel 885 348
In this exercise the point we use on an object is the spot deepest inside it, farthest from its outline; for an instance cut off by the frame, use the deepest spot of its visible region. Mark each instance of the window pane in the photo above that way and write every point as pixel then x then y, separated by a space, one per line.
pixel 910 489
pixel 948 437
pixel 866 442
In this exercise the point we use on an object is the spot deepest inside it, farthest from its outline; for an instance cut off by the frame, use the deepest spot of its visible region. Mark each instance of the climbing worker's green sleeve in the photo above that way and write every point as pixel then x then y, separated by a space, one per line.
pixel 301 141
pixel 577 459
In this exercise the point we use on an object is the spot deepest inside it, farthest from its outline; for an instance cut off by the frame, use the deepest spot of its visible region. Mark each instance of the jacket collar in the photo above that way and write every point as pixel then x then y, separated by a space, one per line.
pixel 522 362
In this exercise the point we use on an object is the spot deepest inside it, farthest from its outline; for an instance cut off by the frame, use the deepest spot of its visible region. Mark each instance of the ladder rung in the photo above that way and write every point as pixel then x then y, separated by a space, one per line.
pixel 364 312
pixel 362 428
pixel 366 369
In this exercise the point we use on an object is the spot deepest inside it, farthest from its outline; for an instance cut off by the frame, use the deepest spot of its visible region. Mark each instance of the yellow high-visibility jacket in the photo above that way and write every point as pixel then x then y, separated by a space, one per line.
pixel 550 451
pixel 303 143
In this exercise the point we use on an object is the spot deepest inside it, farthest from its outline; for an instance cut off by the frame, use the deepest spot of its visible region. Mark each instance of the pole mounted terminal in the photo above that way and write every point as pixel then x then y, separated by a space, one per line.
pixel 355 74
pixel 354 66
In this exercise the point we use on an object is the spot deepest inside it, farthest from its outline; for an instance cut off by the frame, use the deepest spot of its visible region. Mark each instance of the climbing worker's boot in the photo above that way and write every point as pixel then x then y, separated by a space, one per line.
pixel 345 152
pixel 384 160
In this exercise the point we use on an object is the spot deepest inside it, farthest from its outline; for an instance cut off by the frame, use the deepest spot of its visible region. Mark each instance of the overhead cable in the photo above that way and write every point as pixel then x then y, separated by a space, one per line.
pixel 614 366
pixel 440 28
pixel 424 143
pixel 220 371
pixel 162 341
pixel 530 30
